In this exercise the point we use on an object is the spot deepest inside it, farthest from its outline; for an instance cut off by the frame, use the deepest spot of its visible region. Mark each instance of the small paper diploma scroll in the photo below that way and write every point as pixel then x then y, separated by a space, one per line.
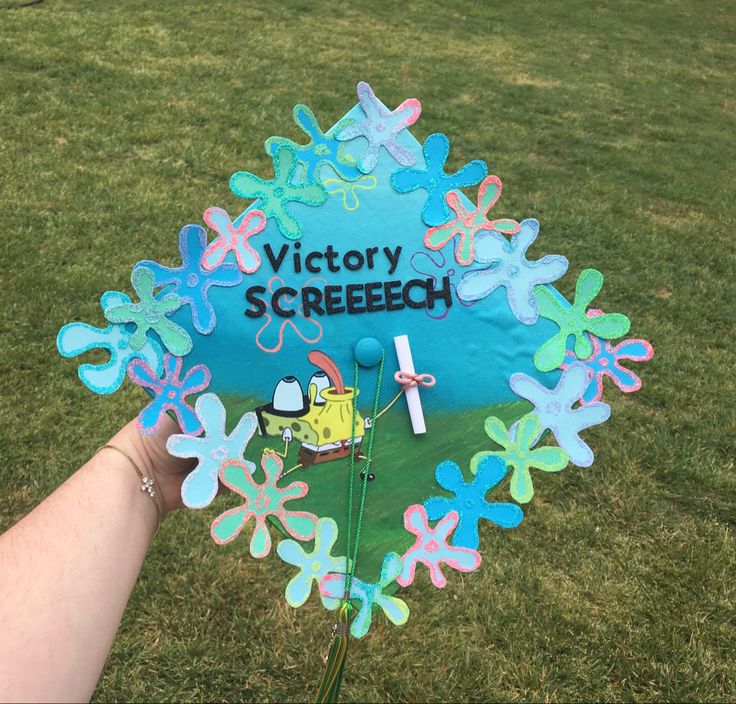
pixel 406 364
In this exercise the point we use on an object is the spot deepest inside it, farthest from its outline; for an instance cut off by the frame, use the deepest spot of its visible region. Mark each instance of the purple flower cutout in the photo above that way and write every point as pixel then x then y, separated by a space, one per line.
pixel 554 407
pixel 191 281
pixel 381 127
pixel 169 393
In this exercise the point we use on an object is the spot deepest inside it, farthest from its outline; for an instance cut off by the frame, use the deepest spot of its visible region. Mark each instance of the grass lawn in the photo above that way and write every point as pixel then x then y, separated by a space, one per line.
pixel 612 123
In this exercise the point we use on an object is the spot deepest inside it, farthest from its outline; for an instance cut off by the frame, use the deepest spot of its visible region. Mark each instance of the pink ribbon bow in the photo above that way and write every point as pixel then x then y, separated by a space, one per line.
pixel 409 379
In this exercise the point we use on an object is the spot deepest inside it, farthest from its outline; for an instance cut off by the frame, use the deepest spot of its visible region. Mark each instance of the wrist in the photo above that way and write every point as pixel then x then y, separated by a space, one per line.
pixel 150 454
pixel 117 467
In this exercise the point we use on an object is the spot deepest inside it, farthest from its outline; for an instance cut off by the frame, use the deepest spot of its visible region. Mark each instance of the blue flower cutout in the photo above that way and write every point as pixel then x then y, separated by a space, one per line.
pixel 191 281
pixel 511 269
pixel 381 127
pixel 323 148
pixel 313 566
pixel 211 450
pixel 169 393
pixel 435 181
pixel 555 411
pixel 105 378
pixel 369 595
pixel 470 502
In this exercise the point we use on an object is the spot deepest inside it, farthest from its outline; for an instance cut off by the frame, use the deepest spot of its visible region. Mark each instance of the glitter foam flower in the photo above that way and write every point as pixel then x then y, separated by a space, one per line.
pixel 106 377
pixel 467 224
pixel 433 179
pixel 606 361
pixel 518 454
pixel 469 500
pixel 233 238
pixel 261 501
pixel 169 393
pixel 313 566
pixel 192 280
pixel 150 313
pixel 554 408
pixel 510 269
pixel 431 548
pixel 211 450
pixel 274 195
pixel 572 320
pixel 368 595
pixel 323 149
pixel 381 128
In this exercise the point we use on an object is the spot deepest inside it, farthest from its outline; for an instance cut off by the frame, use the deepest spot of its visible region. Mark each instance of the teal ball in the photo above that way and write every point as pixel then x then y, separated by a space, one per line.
pixel 368 352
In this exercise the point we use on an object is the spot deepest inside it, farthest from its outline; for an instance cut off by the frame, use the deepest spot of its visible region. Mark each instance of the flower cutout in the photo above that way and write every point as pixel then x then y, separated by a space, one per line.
pixel 555 412
pixel 169 393
pixel 231 238
pixel 605 361
pixel 191 281
pixel 261 501
pixel 518 453
pixel 435 266
pixel 435 181
pixel 369 595
pixel 381 128
pixel 468 223
pixel 432 549
pixel 322 148
pixel 469 501
pixel 511 269
pixel 313 566
pixel 211 450
pixel 274 195
pixel 105 378
pixel 349 191
pixel 572 320
pixel 150 314
pixel 270 338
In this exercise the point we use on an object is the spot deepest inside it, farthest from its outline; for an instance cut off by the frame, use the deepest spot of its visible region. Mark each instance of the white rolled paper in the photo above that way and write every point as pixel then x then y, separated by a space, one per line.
pixel 406 364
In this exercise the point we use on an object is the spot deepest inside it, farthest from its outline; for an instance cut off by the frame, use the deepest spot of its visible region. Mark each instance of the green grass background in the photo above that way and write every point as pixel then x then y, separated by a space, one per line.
pixel 611 122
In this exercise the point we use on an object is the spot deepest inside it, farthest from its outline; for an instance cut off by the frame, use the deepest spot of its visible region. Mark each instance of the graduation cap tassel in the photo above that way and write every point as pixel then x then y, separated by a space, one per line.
pixel 329 689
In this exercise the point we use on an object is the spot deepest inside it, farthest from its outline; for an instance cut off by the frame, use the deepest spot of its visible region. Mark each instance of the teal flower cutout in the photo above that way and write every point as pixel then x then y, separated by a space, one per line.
pixel 572 320
pixel 469 500
pixel 105 377
pixel 368 595
pixel 313 566
pixel 518 453
pixel 150 314
pixel 259 502
pixel 273 195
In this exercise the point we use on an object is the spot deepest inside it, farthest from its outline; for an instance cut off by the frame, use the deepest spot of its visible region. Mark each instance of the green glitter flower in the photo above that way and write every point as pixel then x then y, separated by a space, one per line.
pixel 150 314
pixel 572 320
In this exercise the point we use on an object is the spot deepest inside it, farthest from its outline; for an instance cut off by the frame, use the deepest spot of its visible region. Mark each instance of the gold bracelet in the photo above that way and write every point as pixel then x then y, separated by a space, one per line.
pixel 147 483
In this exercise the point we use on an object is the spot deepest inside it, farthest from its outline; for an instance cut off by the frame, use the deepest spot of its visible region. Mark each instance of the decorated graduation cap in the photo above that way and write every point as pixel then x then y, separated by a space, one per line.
pixel 374 363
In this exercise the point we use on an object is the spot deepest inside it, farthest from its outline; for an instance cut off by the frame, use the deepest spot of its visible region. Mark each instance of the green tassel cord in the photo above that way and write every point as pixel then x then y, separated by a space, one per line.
pixel 329 689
